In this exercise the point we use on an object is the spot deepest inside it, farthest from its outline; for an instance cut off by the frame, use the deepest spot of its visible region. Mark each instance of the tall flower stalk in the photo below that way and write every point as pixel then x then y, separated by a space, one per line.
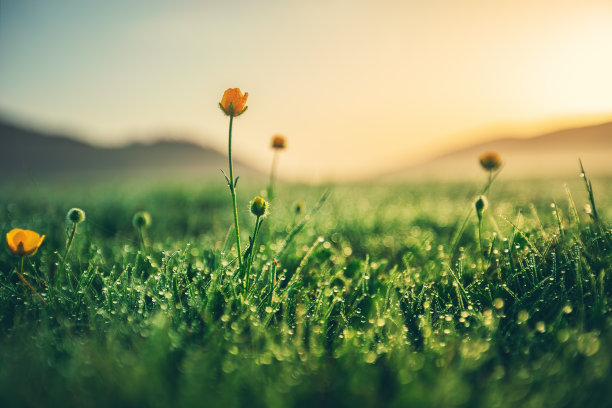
pixel 232 186
pixel 233 103
pixel 75 216
pixel 491 162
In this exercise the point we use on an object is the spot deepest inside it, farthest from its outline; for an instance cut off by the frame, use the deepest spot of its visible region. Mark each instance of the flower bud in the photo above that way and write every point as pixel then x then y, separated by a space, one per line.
pixel 75 215
pixel 259 207
pixel 279 142
pixel 481 205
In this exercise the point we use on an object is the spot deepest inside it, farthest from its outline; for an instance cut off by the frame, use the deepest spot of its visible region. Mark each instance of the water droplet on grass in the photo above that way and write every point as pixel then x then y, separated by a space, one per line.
pixel 498 303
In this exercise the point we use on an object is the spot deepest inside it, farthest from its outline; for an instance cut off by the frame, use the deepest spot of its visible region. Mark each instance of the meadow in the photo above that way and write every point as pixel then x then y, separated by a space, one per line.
pixel 360 295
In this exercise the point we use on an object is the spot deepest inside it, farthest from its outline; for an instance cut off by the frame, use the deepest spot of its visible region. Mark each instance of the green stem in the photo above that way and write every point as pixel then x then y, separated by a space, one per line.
pixel 490 180
pixel 68 245
pixel 272 175
pixel 20 274
pixel 272 280
pixel 480 236
pixel 143 242
pixel 252 254
pixel 268 230
pixel 232 186
pixel 459 233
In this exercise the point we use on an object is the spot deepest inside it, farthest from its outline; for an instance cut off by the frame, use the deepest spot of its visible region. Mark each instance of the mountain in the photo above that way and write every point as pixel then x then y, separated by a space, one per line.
pixel 32 154
pixel 28 153
pixel 549 155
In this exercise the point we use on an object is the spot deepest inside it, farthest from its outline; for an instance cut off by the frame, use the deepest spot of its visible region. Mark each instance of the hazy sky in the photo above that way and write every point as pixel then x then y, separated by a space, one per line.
pixel 356 86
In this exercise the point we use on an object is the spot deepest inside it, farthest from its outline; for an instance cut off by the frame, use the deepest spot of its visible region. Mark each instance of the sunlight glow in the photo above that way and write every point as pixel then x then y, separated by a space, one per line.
pixel 357 87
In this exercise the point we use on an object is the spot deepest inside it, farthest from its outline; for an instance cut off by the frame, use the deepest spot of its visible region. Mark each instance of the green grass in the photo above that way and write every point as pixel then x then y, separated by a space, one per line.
pixel 373 305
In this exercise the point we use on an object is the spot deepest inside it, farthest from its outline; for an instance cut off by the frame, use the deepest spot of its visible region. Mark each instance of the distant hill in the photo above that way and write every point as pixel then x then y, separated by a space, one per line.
pixel 553 154
pixel 33 154
pixel 28 153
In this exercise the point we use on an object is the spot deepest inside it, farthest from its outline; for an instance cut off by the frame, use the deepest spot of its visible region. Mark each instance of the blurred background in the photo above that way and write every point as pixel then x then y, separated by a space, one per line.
pixel 362 90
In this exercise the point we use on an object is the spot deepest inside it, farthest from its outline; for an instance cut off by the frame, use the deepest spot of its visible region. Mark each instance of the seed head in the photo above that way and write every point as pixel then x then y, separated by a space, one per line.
pixel 490 161
pixel 75 215
pixel 142 220
pixel 259 207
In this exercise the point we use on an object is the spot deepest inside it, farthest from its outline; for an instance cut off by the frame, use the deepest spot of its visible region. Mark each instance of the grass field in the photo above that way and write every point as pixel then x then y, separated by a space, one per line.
pixel 381 295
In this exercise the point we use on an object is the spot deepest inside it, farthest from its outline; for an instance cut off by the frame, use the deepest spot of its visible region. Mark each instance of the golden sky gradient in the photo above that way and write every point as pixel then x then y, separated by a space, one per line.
pixel 357 87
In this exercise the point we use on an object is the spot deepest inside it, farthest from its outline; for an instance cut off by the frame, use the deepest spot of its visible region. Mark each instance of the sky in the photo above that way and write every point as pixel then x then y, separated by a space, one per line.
pixel 357 87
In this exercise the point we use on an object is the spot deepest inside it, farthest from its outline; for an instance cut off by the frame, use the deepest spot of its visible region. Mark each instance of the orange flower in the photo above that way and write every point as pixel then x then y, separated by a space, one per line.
pixel 233 102
pixel 23 242
pixel 279 142
pixel 490 161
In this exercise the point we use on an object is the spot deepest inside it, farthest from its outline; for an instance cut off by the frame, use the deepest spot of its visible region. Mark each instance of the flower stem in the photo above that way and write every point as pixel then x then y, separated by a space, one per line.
pixel 143 242
pixel 68 245
pixel 272 279
pixel 480 235
pixel 20 274
pixel 491 178
pixel 232 187
pixel 252 254
pixel 272 175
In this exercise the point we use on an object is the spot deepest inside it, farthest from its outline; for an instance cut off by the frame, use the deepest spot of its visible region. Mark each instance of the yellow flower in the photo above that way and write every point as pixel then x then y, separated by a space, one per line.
pixel 279 142
pixel 233 102
pixel 23 242
pixel 490 161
